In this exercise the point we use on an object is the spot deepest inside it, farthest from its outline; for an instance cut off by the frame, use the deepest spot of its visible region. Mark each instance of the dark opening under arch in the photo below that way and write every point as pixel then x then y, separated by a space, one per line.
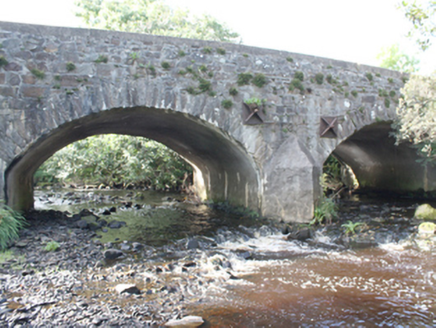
pixel 381 165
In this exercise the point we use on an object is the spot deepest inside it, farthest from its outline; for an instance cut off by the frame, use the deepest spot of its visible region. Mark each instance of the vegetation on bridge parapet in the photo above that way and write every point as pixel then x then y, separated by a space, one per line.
pixel 10 223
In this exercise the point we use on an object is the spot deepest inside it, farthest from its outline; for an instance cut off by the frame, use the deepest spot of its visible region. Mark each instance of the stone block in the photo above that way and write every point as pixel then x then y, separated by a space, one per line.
pixel 7 91
pixel 32 91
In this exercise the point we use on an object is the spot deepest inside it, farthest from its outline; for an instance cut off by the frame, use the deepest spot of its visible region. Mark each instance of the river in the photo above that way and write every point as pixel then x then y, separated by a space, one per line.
pixel 277 282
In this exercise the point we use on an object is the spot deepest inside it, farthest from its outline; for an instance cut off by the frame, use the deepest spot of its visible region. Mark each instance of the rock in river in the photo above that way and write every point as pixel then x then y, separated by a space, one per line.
pixel 425 212
pixel 127 288
pixel 186 322
pixel 112 254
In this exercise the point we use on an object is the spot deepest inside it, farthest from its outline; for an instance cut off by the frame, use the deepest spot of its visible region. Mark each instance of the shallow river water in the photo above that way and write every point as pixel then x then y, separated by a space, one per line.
pixel 280 283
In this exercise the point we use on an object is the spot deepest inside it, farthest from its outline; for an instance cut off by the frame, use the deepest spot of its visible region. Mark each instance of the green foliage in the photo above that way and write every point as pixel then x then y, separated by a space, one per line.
pixel 233 91
pixel 226 103
pixel 393 58
pixel 244 78
pixel 392 93
pixel 290 59
pixel 38 73
pixel 299 75
pixel 152 17
pixel 207 50
pixel 221 51
pixel 10 223
pixel 115 160
pixel 330 79
pixel 204 85
pixel 382 93
pixel 296 84
pixel 319 78
pixel 369 76
pixel 101 59
pixel 182 53
pixel 422 16
pixel 202 68
pixel 165 65
pixel 416 113
pixel 350 227
pixel 133 56
pixel 52 246
pixel 259 102
pixel 259 80
pixel 3 61
pixel 151 69
pixel 70 66
pixel 354 93
pixel 325 211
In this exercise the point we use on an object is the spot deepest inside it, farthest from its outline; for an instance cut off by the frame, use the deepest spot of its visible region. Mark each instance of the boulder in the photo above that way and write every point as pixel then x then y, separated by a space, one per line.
pixel 112 254
pixel 127 288
pixel 186 322
pixel 425 212
pixel 427 228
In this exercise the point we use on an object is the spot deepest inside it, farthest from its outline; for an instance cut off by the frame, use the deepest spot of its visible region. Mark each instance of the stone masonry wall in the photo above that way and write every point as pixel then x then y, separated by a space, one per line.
pixel 50 76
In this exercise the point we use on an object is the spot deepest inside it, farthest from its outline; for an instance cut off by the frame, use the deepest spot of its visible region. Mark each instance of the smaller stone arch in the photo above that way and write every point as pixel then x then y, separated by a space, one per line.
pixel 380 164
pixel 223 170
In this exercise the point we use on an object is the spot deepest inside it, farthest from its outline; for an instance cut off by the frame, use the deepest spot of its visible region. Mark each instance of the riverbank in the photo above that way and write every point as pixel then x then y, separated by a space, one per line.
pixel 80 281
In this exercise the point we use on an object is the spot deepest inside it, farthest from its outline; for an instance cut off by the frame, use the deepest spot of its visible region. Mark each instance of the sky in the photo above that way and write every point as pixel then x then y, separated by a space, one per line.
pixel 349 30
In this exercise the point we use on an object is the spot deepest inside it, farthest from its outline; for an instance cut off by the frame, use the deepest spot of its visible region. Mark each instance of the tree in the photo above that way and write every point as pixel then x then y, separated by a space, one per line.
pixel 417 115
pixel 393 58
pixel 422 16
pixel 153 17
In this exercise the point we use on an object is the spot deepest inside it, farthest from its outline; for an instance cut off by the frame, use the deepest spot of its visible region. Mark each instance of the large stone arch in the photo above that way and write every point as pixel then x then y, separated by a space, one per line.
pixel 223 170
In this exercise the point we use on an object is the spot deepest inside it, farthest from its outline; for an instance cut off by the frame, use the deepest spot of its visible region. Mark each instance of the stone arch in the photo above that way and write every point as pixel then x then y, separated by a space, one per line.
pixel 380 164
pixel 223 170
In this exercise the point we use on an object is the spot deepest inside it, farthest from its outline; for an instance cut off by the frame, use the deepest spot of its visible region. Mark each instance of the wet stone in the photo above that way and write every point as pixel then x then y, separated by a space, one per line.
pixel 112 254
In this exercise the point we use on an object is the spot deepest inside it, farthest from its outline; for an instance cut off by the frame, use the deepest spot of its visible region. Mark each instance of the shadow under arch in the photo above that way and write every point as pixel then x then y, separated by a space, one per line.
pixel 381 165
pixel 223 170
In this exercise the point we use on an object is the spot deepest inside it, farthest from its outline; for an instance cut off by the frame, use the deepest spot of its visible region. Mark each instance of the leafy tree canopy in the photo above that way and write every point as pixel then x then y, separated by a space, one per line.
pixel 393 58
pixel 153 17
pixel 417 115
pixel 422 15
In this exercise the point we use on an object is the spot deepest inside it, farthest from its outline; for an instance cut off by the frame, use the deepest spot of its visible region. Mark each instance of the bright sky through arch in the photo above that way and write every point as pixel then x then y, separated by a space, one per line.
pixel 347 30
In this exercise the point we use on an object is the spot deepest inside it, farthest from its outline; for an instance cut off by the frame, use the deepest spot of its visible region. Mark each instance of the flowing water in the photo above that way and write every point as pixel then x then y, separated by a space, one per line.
pixel 280 283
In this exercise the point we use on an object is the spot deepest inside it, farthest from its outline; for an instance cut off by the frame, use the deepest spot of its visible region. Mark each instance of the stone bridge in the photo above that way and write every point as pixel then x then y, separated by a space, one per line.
pixel 60 85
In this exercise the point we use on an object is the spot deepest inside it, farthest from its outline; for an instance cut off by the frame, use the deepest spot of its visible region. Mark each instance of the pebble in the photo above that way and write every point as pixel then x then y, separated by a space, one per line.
pixel 186 322
pixel 112 254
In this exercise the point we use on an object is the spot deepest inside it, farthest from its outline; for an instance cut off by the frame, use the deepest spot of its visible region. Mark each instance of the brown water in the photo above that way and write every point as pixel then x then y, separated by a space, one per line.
pixel 292 284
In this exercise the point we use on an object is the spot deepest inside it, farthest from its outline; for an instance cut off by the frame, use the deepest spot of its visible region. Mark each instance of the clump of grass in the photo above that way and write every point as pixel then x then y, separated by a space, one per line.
pixel 387 103
pixel 233 91
pixel 259 80
pixel 290 59
pixel 10 223
pixel 299 75
pixel 38 73
pixel 392 93
pixel 151 69
pixel 207 50
pixel 227 103
pixel 52 246
pixel 296 84
pixel 319 78
pixel 354 93
pixel 182 53
pixel 101 59
pixel 369 76
pixel 3 61
pixel 244 78
pixel 202 68
pixel 204 85
pixel 70 66
pixel 165 65
pixel 221 51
